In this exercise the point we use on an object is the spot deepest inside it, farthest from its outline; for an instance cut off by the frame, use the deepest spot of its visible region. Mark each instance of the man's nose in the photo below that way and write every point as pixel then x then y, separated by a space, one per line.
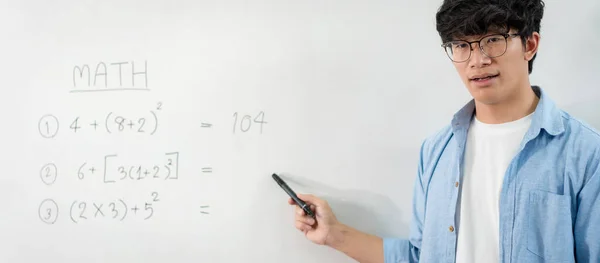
pixel 478 58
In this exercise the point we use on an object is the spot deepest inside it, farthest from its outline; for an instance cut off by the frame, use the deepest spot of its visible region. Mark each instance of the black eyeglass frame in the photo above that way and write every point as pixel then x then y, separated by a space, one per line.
pixel 470 43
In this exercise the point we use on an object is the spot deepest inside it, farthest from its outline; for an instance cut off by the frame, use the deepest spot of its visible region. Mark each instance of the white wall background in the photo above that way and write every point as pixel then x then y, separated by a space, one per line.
pixel 348 90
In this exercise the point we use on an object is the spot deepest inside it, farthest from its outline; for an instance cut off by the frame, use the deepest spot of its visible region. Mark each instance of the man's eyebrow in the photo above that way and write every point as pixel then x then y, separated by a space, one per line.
pixel 459 38
pixel 477 37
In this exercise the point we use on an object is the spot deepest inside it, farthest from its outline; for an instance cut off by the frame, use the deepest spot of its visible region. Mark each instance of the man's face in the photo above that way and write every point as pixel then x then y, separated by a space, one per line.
pixel 494 80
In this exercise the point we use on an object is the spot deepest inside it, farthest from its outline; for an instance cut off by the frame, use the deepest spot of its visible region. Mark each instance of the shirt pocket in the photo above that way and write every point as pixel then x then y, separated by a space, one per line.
pixel 550 231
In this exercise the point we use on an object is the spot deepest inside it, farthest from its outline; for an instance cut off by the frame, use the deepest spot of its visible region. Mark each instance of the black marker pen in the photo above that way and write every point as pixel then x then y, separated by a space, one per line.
pixel 293 195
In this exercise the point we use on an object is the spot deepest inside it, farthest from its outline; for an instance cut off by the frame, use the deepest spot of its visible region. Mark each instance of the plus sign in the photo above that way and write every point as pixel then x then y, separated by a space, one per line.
pixel 92 169
pixel 146 173
pixel 131 124
pixel 95 125
pixel 135 209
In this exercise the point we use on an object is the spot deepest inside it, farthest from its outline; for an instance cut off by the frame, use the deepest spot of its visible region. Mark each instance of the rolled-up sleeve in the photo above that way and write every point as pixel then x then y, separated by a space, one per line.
pixel 587 222
pixel 397 250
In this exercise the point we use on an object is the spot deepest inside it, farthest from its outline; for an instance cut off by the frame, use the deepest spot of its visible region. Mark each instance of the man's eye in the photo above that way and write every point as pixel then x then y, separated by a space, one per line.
pixel 459 45
pixel 493 39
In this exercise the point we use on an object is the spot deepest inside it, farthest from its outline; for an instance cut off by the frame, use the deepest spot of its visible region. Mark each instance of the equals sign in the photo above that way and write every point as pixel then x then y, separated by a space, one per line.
pixel 206 125
pixel 207 170
pixel 204 207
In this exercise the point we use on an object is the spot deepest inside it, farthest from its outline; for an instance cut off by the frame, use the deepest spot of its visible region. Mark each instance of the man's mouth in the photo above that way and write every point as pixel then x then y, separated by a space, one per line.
pixel 485 78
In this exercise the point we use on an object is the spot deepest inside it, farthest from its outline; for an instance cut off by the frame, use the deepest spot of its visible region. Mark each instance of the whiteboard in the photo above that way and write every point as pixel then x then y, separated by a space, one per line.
pixel 163 152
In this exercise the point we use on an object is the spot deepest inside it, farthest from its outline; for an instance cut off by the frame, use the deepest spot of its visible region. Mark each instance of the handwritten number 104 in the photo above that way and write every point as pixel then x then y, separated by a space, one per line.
pixel 245 123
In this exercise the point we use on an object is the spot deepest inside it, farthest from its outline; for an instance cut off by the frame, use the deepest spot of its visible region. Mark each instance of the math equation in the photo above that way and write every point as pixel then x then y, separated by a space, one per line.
pixel 145 122
pixel 117 209
pixel 114 169
pixel 124 173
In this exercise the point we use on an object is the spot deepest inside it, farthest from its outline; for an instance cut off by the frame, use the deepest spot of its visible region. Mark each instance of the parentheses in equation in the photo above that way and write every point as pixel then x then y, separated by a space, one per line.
pixel 124 205
pixel 131 169
pixel 106 122
pixel 71 212
pixel 155 122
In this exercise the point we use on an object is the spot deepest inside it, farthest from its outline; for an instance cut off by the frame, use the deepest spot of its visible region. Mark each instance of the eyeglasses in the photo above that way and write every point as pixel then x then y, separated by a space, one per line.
pixel 491 46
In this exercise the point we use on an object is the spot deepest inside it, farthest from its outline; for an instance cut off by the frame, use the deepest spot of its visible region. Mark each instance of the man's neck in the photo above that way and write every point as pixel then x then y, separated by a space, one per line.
pixel 514 108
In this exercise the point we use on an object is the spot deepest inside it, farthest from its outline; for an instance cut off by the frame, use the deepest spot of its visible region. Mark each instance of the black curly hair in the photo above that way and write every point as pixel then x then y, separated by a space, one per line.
pixel 460 18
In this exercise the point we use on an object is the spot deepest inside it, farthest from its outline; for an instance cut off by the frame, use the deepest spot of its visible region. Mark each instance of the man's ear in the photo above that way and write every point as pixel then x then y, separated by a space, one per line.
pixel 532 44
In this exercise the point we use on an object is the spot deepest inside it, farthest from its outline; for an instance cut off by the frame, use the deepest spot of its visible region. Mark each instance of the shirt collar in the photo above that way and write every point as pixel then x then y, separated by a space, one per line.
pixel 547 116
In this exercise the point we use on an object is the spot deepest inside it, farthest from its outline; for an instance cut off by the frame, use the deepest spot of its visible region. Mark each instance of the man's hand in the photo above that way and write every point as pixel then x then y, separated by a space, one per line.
pixel 322 230
pixel 327 230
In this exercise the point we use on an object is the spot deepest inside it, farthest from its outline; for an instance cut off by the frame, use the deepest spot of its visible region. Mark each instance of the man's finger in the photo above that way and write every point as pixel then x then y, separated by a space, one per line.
pixel 301 226
pixel 299 211
pixel 306 220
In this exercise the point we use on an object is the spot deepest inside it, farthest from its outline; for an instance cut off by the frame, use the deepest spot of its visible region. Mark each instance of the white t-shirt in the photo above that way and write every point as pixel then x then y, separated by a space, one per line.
pixel 489 150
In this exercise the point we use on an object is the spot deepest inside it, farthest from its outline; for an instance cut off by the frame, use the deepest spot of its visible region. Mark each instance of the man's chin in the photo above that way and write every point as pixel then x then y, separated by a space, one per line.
pixel 485 96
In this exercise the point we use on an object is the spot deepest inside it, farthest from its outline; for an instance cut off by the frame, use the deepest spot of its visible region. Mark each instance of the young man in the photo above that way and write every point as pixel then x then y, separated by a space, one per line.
pixel 511 179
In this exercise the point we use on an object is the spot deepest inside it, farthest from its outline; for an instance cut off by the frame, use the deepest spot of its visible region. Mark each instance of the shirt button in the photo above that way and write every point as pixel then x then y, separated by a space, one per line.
pixel 451 228
pixel 456 184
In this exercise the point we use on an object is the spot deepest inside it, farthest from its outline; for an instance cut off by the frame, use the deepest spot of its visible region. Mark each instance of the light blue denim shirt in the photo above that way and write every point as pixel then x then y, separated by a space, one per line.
pixel 549 203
